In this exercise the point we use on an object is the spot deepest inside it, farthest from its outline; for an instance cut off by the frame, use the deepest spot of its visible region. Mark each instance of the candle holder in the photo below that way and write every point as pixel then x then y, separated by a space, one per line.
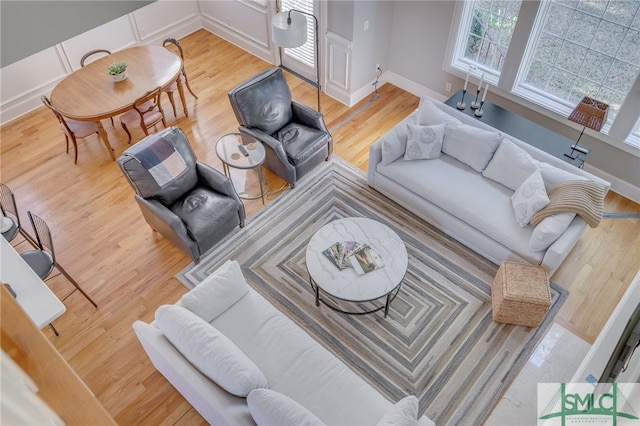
pixel 479 112
pixel 475 104
pixel 461 105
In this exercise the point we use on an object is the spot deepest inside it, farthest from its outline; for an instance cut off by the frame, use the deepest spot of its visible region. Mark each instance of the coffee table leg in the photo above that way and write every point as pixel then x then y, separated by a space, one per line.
pixel 386 305
pixel 317 295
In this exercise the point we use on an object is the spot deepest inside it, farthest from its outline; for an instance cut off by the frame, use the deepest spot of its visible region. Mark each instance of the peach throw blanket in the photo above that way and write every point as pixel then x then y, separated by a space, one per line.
pixel 583 197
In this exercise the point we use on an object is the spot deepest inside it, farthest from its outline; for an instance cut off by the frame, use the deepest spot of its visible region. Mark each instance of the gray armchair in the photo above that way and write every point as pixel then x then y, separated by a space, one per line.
pixel 191 204
pixel 295 136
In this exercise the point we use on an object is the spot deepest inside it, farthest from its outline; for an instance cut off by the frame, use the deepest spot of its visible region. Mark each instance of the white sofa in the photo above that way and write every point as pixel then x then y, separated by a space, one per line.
pixel 466 190
pixel 294 364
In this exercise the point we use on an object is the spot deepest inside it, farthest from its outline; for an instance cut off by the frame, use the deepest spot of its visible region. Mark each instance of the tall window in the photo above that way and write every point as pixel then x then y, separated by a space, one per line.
pixel 492 24
pixel 555 52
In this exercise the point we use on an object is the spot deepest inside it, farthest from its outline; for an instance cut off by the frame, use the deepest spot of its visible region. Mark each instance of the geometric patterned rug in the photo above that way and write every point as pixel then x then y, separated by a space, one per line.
pixel 438 341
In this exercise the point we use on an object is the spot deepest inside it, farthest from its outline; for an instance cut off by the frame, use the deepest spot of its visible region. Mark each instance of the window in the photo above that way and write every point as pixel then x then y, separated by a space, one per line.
pixel 555 52
pixel 306 52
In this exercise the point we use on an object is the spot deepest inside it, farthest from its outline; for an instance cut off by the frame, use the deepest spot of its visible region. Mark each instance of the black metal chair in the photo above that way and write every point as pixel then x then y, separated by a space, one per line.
pixel 43 259
pixel 294 135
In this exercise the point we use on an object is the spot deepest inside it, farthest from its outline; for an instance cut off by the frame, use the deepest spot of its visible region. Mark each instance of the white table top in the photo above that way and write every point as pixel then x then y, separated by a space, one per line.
pixel 346 284
pixel 32 294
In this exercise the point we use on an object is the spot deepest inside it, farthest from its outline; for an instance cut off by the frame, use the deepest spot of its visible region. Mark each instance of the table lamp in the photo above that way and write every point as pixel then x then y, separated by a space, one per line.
pixel 589 113
pixel 289 30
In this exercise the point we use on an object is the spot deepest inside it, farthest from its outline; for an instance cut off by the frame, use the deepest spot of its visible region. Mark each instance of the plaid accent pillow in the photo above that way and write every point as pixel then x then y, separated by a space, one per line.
pixel 161 160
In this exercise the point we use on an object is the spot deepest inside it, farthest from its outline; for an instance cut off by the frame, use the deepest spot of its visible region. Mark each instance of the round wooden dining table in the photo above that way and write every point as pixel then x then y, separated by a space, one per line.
pixel 90 94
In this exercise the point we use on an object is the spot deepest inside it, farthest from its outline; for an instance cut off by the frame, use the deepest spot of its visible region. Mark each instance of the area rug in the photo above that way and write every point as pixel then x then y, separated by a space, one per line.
pixel 438 342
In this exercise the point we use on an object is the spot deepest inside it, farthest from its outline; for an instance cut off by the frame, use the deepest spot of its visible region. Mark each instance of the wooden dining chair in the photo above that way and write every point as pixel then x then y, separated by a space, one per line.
pixel 101 52
pixel 174 45
pixel 72 129
pixel 146 113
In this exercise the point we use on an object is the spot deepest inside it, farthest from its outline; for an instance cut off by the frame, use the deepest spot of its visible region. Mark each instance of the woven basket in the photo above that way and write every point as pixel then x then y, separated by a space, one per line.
pixel 520 294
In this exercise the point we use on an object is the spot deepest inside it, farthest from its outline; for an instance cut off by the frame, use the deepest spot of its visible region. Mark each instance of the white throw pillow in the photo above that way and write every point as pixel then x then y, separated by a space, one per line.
pixel 529 198
pixel 403 413
pixel 430 114
pixel 554 176
pixel 510 165
pixel 547 231
pixel 217 292
pixel 424 142
pixel 394 142
pixel 270 408
pixel 471 145
pixel 209 350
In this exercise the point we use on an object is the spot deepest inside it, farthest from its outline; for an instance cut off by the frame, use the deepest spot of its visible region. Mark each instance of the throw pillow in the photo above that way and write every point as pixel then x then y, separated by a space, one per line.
pixel 430 114
pixel 217 292
pixel 473 146
pixel 209 350
pixel 554 176
pixel 424 142
pixel 403 413
pixel 394 142
pixel 529 198
pixel 270 408
pixel 547 231
pixel 510 165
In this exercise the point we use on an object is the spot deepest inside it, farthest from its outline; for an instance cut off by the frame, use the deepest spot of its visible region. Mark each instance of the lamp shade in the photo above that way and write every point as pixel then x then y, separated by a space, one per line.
pixel 590 113
pixel 286 34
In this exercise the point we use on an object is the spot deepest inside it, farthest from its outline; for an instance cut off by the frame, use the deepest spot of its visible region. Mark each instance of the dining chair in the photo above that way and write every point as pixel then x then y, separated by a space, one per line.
pixel 174 45
pixel 72 128
pixel 101 52
pixel 146 113
pixel 9 212
pixel 43 259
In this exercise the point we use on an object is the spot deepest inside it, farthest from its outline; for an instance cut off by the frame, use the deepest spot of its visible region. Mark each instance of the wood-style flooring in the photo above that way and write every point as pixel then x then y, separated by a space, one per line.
pixel 102 240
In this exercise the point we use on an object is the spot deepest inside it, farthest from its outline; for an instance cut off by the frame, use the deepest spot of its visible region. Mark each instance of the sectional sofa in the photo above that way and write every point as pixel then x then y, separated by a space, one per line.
pixel 465 181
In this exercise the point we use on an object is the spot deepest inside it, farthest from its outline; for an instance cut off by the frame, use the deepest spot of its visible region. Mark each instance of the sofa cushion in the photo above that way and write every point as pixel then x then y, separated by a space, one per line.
pixel 403 413
pixel 394 142
pixel 424 142
pixel 430 114
pixel 202 210
pixel 482 203
pixel 217 292
pixel 301 142
pixel 271 408
pixel 209 350
pixel 547 231
pixel 474 147
pixel 529 198
pixel 510 165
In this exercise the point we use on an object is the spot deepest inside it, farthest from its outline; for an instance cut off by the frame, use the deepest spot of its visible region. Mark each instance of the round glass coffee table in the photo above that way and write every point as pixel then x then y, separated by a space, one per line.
pixel 346 284
pixel 242 152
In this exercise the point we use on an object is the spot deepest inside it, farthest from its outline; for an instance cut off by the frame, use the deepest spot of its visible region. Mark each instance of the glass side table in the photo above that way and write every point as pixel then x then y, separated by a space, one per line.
pixel 229 149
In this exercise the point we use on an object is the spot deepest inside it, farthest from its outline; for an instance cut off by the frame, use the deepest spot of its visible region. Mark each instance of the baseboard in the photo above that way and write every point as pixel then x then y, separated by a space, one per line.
pixel 618 185
pixel 412 87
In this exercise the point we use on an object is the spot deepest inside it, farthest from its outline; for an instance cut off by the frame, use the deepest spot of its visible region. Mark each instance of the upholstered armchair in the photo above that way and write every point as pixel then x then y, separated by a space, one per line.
pixel 191 204
pixel 295 136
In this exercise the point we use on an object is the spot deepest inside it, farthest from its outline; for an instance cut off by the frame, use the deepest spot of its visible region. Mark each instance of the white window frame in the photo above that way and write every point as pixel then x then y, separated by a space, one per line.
pixel 618 132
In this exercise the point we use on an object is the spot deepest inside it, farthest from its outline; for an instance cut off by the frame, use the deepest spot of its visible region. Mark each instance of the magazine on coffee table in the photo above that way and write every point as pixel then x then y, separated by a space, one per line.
pixel 365 260
pixel 340 252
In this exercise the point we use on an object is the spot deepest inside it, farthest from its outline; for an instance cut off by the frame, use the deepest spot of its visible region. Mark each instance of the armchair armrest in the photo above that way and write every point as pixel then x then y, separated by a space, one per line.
pixel 218 182
pixel 168 224
pixel 306 115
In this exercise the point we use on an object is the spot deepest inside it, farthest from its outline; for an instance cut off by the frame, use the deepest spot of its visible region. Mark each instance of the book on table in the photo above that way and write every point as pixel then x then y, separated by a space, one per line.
pixel 340 252
pixel 365 260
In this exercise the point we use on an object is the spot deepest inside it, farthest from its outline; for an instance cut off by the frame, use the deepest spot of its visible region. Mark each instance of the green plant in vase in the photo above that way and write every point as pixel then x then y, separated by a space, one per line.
pixel 118 71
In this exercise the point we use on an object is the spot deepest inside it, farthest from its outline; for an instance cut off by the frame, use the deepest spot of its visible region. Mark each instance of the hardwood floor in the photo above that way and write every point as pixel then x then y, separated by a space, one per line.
pixel 103 242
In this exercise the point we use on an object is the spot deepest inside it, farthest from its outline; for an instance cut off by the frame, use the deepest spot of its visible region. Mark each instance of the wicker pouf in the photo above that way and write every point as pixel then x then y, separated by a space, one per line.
pixel 520 294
